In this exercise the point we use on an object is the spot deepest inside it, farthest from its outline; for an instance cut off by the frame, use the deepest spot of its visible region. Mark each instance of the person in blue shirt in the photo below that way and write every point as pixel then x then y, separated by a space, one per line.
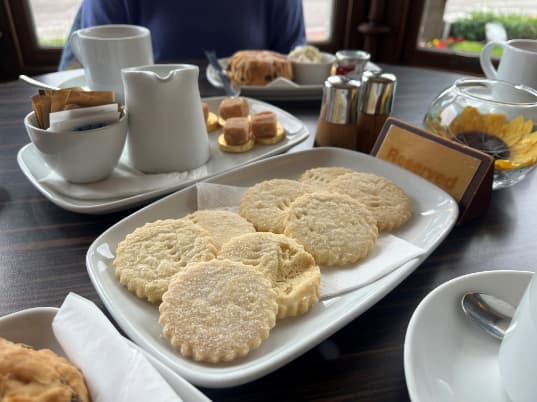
pixel 183 30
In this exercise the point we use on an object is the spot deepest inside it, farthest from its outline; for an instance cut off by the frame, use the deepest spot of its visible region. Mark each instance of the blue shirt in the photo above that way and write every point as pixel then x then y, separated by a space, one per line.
pixel 183 30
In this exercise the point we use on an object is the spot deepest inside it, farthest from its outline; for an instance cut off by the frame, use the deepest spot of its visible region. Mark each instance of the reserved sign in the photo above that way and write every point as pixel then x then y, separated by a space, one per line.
pixel 463 172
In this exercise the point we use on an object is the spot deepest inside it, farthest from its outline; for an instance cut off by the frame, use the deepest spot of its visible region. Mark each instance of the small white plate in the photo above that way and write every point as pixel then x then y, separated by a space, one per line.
pixel 279 89
pixel 434 214
pixel 34 327
pixel 448 357
pixel 35 169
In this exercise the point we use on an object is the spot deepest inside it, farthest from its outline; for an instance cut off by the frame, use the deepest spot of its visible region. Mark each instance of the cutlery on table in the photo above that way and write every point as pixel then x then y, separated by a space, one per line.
pixel 230 88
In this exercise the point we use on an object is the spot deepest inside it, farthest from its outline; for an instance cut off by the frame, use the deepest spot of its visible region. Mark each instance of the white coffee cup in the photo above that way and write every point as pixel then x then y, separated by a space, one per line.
pixel 518 63
pixel 518 350
pixel 104 50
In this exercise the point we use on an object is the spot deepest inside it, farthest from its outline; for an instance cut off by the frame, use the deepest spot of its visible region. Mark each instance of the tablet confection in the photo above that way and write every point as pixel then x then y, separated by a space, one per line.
pixel 320 177
pixel 28 375
pixel 292 270
pixel 218 310
pixel 266 203
pixel 148 257
pixel 389 204
pixel 334 228
pixel 221 225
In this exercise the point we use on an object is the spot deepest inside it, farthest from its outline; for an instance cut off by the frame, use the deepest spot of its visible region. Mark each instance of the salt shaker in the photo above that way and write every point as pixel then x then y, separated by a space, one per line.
pixel 377 92
pixel 337 124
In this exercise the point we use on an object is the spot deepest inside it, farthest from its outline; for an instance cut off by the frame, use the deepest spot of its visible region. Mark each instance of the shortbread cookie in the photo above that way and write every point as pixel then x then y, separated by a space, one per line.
pixel 334 228
pixel 389 204
pixel 266 203
pixel 221 225
pixel 218 310
pixel 292 270
pixel 30 375
pixel 148 257
pixel 321 177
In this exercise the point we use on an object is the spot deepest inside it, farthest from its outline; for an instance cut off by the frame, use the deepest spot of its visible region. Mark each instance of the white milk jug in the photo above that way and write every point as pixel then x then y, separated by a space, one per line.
pixel 167 129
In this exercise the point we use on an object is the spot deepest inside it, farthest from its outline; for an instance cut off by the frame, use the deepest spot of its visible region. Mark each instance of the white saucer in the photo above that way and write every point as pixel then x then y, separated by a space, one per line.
pixel 448 357
pixel 34 327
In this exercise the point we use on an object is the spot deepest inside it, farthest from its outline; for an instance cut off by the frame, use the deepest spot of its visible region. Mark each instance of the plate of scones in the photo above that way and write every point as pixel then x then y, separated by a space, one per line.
pixel 226 295
pixel 268 75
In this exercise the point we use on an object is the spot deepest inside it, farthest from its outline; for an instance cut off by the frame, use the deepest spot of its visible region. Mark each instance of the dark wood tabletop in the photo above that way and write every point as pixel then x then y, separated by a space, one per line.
pixel 43 248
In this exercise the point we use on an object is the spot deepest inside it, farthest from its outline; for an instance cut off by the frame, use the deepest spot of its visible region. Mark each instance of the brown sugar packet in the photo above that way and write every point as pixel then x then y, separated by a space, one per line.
pixel 41 105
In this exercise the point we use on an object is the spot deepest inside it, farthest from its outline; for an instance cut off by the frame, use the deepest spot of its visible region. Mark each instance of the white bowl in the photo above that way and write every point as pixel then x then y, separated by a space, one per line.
pixel 313 73
pixel 80 156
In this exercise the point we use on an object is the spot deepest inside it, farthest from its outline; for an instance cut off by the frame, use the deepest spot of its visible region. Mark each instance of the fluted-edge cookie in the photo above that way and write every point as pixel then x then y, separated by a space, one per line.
pixel 148 257
pixel 322 176
pixel 292 270
pixel 218 310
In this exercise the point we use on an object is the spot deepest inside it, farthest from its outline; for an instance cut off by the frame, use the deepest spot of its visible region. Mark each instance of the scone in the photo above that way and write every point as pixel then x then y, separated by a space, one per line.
pixel 334 228
pixel 218 310
pixel 389 204
pixel 148 257
pixel 28 375
pixel 258 67
pixel 222 226
pixel 292 270
pixel 266 203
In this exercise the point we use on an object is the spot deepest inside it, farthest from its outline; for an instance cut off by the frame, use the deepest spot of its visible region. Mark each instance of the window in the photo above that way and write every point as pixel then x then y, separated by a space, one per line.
pixel 52 20
pixel 318 20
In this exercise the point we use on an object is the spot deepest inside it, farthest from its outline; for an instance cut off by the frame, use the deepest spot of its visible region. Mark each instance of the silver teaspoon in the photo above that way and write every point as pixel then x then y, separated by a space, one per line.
pixel 489 312
pixel 35 83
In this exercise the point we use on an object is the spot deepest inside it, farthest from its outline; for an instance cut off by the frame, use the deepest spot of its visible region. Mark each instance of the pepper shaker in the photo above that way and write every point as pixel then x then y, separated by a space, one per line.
pixel 337 124
pixel 378 90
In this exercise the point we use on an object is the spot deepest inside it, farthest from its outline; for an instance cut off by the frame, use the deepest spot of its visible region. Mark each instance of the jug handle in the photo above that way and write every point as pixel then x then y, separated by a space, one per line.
pixel 75 46
pixel 485 59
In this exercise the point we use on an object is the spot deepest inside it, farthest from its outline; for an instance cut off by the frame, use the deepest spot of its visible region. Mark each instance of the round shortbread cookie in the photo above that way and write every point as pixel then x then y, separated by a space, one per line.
pixel 292 270
pixel 389 204
pixel 148 257
pixel 266 203
pixel 218 310
pixel 334 228
pixel 321 177
pixel 221 225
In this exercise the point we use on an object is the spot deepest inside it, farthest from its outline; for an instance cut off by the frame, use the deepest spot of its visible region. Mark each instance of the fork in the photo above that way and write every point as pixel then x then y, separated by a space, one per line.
pixel 231 88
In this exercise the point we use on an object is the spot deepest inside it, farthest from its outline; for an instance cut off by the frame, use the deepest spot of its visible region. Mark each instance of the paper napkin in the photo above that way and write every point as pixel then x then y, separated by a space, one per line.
pixel 389 253
pixel 124 181
pixel 114 370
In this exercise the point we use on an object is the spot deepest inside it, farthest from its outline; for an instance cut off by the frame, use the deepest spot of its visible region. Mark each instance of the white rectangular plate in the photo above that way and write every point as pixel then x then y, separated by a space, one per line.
pixel 280 89
pixel 34 327
pixel 34 167
pixel 435 213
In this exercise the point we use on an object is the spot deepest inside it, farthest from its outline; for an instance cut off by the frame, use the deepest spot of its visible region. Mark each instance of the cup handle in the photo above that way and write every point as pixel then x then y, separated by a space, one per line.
pixel 75 46
pixel 485 59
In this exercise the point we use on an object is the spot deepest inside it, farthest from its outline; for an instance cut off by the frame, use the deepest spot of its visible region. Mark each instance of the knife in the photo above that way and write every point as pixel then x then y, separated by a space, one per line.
pixel 229 87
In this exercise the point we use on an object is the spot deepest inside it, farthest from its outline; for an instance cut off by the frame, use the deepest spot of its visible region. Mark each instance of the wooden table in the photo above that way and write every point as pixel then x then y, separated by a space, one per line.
pixel 42 258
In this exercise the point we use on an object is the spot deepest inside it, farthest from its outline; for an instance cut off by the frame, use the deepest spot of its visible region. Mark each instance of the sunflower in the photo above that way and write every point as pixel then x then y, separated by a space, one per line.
pixel 512 143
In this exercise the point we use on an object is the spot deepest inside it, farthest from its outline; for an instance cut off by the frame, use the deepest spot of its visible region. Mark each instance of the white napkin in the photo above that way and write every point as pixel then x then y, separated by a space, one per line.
pixel 389 253
pixel 114 370
pixel 124 181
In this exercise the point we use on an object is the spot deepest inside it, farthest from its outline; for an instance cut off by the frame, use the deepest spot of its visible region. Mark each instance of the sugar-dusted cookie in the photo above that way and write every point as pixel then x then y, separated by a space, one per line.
pixel 388 202
pixel 266 203
pixel 320 177
pixel 31 375
pixel 334 228
pixel 218 310
pixel 148 257
pixel 221 225
pixel 292 270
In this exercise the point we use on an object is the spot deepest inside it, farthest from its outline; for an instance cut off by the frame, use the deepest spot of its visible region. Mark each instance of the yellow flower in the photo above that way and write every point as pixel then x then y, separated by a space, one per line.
pixel 511 142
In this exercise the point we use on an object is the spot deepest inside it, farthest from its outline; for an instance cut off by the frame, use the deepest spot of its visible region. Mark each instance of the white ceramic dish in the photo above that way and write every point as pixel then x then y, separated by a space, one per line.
pixel 36 169
pixel 279 89
pixel 34 327
pixel 447 357
pixel 435 212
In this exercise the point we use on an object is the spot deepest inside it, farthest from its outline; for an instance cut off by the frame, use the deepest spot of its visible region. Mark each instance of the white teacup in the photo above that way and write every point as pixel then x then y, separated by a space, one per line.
pixel 518 350
pixel 518 63
pixel 104 50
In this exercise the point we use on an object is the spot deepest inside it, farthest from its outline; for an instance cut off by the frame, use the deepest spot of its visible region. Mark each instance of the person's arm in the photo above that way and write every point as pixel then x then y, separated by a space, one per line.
pixel 286 25
pixel 102 12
